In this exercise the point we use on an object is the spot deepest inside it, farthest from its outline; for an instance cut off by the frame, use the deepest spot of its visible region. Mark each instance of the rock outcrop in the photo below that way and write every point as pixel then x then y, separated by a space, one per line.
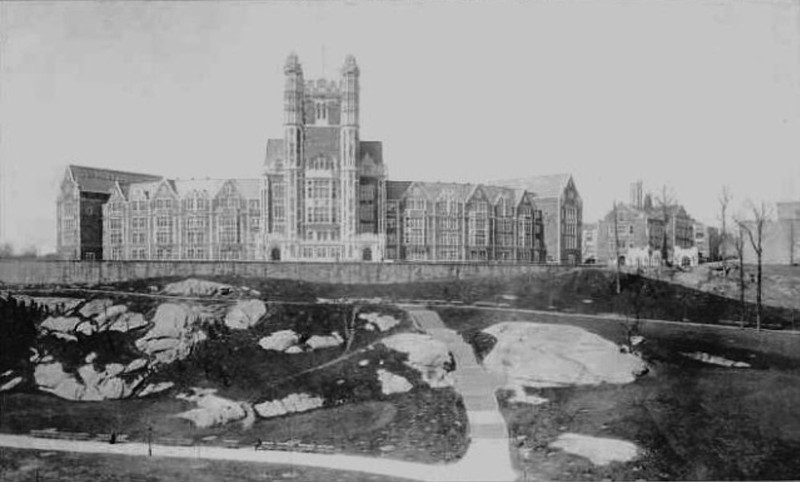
pixel 88 384
pixel 61 324
pixel 376 321
pixel 541 355
pixel 197 287
pixel 212 410
pixel 600 451
pixel 316 342
pixel 293 403
pixel 244 314
pixel 174 333
pixel 95 307
pixel 279 340
pixel 428 356
pixel 391 383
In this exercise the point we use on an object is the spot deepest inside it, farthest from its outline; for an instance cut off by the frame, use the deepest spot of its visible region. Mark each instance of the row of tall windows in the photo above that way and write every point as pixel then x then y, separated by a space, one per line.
pixel 320 201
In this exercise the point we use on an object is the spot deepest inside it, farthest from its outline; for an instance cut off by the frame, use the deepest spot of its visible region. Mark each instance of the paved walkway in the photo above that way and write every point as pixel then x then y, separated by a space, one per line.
pixel 488 456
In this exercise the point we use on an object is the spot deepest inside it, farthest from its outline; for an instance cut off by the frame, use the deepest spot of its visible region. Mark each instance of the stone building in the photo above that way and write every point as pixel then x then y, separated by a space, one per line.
pixel 327 186
pixel 79 205
pixel 430 221
pixel 589 239
pixel 323 195
pixel 221 219
pixel 562 214
pixel 642 229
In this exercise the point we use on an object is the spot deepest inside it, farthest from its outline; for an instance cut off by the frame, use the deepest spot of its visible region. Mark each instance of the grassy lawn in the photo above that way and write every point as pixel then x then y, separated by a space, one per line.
pixel 33 465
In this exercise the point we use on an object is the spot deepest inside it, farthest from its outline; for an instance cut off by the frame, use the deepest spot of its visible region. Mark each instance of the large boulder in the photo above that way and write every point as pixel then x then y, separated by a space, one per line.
pixel 279 340
pixel 376 321
pixel 88 384
pixel 61 324
pixel 126 322
pixel 197 287
pixel 541 355
pixel 95 307
pixel 110 314
pixel 316 342
pixel 391 383
pixel 174 333
pixel 212 410
pixel 428 356
pixel 244 314
pixel 292 403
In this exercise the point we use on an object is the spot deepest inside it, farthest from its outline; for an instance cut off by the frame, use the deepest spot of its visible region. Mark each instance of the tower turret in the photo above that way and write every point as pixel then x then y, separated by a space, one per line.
pixel 350 88
pixel 293 91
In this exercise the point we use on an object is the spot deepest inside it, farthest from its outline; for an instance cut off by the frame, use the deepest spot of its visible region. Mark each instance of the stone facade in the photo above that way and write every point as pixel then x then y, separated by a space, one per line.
pixel 327 186
pixel 462 222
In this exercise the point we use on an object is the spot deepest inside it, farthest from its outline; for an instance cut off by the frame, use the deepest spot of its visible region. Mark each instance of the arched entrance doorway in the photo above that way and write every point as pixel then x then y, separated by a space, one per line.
pixel 275 254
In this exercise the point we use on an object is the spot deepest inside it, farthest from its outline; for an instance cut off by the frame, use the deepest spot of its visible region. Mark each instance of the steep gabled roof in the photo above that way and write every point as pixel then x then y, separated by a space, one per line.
pixel 496 192
pixel 92 179
pixel 541 186
pixel 396 189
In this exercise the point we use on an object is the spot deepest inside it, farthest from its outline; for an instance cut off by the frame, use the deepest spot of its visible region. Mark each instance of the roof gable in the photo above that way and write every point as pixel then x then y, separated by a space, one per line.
pixel 91 179
pixel 541 186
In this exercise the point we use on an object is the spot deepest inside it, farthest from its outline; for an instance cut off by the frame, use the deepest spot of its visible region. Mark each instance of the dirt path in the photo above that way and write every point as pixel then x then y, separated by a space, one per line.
pixel 488 456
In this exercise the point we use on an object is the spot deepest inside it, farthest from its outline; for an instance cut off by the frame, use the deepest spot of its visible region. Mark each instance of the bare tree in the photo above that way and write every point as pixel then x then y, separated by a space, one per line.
pixel 755 234
pixel 616 246
pixel 725 198
pixel 665 202
pixel 738 245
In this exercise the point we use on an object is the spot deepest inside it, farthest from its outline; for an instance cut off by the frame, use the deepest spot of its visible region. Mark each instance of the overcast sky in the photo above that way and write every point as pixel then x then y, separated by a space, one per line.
pixel 693 94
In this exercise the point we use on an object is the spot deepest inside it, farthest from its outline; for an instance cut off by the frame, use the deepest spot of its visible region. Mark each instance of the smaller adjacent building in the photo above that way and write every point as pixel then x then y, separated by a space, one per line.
pixel 208 219
pixel 79 208
pixel 589 238
pixel 562 214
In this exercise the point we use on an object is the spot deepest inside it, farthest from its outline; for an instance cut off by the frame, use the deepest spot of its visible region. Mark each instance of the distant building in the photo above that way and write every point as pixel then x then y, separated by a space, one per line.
pixel 642 230
pixel 428 221
pixel 79 205
pixel 706 239
pixel 589 239
pixel 562 210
